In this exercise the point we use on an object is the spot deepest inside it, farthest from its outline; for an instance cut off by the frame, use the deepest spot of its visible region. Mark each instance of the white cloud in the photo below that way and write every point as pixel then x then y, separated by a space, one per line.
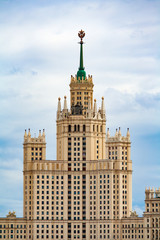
pixel 10 204
pixel 139 210
pixel 10 164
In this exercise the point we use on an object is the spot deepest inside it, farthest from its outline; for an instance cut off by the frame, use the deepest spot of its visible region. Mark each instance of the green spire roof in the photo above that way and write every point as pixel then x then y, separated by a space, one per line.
pixel 81 73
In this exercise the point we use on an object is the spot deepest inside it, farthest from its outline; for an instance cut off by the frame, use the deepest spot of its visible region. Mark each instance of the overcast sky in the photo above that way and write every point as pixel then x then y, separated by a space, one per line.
pixel 38 54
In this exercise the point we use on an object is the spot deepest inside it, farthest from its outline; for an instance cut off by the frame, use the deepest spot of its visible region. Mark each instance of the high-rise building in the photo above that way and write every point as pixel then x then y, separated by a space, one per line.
pixel 87 192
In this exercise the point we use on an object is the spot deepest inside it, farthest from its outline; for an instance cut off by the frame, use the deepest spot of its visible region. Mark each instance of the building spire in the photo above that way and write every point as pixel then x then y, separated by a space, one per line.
pixel 103 108
pixel 59 105
pixel 95 107
pixel 81 73
pixel 65 104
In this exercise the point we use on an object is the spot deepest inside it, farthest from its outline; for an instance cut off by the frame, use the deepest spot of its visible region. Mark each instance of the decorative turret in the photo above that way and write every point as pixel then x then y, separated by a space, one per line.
pixel 89 110
pixel 29 139
pixel 65 109
pixel 95 108
pixel 65 103
pixel 116 134
pixel 81 74
pixel 108 134
pixel 59 108
pixel 39 133
pixel 43 135
pixel 29 133
pixel 119 134
pixel 59 105
pixel 128 134
pixel 25 134
pixel 103 112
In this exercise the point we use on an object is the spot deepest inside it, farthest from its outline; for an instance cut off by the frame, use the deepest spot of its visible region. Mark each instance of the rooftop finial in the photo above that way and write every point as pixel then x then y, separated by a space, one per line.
pixel 108 135
pixel 102 109
pixel 95 108
pixel 43 134
pixel 25 133
pixel 81 34
pixel 116 134
pixel 59 105
pixel 81 73
pixel 29 133
pixel 128 133
pixel 65 103
pixel 39 133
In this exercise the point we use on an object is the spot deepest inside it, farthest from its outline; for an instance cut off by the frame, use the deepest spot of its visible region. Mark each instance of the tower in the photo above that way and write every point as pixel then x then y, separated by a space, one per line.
pixel 81 125
pixel 81 87
pixel 86 193
pixel 34 155
pixel 118 151
pixel 99 169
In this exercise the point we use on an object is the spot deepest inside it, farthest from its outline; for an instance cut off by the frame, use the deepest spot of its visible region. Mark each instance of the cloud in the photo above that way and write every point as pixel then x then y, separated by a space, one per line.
pixel 14 164
pixel 147 100
pixel 10 204
pixel 11 189
pixel 139 210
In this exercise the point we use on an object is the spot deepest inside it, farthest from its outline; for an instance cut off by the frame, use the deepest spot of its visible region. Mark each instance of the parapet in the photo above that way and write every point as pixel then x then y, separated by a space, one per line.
pixel 90 113
pixel 151 193
pixel 29 139
pixel 79 80
pixel 118 136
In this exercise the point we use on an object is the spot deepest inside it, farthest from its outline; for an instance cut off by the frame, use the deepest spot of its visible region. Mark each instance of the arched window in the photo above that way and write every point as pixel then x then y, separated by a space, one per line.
pixel 78 128
pixel 84 128
pixel 93 128
pixel 75 128
pixel 97 128
pixel 69 128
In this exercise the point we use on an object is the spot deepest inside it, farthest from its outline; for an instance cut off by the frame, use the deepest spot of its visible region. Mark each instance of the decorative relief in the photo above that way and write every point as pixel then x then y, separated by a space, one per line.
pixel 11 214
pixel 133 214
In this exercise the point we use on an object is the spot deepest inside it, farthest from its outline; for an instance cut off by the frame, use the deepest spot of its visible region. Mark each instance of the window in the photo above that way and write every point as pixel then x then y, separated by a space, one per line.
pixel 69 128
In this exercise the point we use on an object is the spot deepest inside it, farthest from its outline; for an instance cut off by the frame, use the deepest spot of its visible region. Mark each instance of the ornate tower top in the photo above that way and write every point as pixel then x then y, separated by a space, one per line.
pixel 81 86
pixel 81 34
pixel 81 73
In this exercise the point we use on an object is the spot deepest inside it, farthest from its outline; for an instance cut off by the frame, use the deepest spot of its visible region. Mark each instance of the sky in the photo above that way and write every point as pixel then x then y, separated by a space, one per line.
pixel 39 52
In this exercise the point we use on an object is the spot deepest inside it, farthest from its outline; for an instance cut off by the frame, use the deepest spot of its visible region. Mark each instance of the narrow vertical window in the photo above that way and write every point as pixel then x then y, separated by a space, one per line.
pixel 69 128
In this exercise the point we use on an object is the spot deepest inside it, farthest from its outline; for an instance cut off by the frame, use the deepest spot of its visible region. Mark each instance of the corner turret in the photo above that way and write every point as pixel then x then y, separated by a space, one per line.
pixel 34 148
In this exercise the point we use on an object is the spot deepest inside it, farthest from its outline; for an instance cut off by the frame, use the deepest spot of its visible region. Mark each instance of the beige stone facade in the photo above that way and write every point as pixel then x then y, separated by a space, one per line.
pixel 152 213
pixel 87 192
